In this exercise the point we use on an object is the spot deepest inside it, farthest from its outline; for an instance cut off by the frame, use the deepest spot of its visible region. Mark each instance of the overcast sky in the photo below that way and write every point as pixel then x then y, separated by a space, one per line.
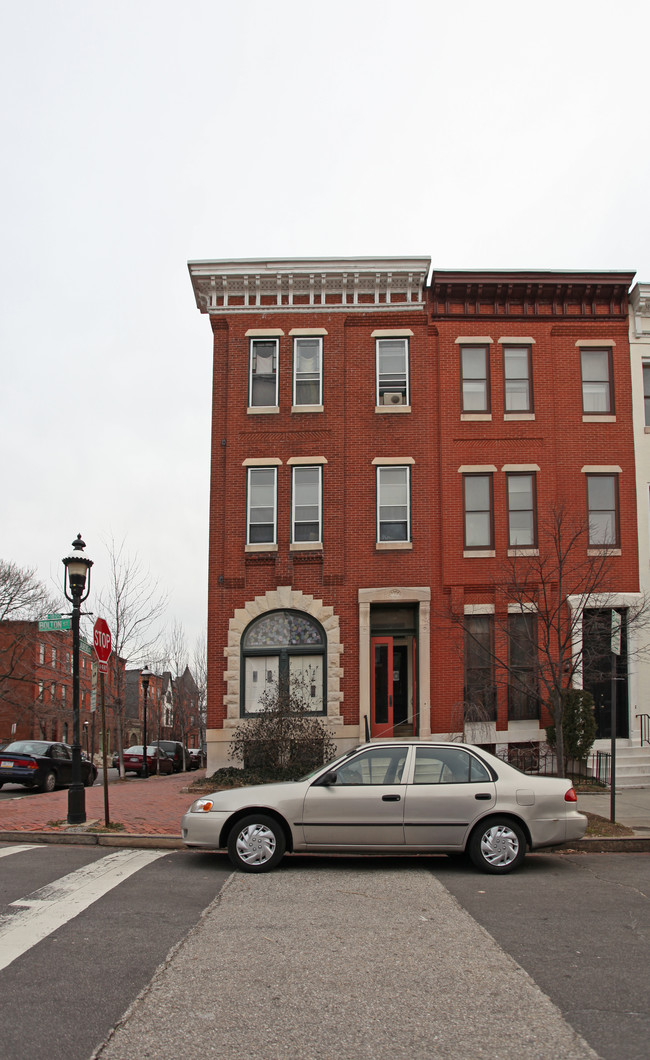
pixel 139 134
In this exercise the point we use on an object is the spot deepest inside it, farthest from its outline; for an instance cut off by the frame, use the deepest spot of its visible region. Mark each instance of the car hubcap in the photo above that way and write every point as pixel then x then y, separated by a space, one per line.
pixel 256 844
pixel 499 845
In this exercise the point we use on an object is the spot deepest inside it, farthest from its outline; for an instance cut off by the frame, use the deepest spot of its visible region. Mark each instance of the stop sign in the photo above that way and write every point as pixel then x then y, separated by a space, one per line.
pixel 102 638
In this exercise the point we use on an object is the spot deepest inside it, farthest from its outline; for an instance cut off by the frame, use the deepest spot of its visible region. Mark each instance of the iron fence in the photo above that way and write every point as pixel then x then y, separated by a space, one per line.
pixel 592 771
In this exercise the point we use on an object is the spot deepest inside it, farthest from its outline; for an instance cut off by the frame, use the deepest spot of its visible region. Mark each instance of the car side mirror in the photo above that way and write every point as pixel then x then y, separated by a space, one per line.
pixel 329 779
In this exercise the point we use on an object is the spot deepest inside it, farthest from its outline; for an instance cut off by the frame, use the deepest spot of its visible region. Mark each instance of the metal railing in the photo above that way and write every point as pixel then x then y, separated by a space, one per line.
pixel 644 726
pixel 596 769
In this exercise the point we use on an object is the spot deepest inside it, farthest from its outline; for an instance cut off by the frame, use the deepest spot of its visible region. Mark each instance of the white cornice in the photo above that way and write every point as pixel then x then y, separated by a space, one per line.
pixel 309 285
pixel 640 309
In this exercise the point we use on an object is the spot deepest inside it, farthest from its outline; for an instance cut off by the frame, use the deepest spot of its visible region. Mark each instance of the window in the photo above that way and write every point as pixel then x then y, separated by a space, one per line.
pixel 597 397
pixel 478 510
pixel 448 765
pixel 41 690
pixel 393 504
pixel 475 379
pixel 392 371
pixel 54 658
pixel 41 654
pixel 306 500
pixel 523 697
pixel 646 393
pixel 522 529
pixel 262 515
pixel 602 505
pixel 379 765
pixel 263 391
pixel 283 652
pixel 517 379
pixel 308 371
pixel 480 693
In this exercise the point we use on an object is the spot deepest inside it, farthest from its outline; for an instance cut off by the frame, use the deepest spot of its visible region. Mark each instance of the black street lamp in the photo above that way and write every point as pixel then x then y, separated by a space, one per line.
pixel 77 567
pixel 145 675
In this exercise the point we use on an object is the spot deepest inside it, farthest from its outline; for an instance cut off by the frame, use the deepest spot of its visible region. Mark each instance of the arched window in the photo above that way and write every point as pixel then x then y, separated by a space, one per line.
pixel 283 651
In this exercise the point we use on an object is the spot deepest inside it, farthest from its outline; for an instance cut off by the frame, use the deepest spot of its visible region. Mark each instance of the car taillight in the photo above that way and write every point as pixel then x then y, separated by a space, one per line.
pixel 570 795
pixel 26 763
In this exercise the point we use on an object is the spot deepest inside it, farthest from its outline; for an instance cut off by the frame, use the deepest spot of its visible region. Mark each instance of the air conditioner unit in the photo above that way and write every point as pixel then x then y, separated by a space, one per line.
pixel 392 398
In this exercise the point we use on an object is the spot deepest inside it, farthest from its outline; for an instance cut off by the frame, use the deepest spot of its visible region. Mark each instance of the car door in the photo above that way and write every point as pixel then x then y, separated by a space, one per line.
pixel 63 763
pixel 364 805
pixel 450 789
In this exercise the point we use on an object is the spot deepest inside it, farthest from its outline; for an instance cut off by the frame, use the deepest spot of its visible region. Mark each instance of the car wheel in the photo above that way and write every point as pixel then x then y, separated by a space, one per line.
pixel 256 843
pixel 49 782
pixel 497 845
pixel 89 781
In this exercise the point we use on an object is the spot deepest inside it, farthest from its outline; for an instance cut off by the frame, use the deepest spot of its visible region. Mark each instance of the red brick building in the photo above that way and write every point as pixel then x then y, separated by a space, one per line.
pixel 36 687
pixel 383 442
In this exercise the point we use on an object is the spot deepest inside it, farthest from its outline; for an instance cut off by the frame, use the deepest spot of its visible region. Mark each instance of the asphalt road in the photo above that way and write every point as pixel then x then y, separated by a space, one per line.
pixel 579 925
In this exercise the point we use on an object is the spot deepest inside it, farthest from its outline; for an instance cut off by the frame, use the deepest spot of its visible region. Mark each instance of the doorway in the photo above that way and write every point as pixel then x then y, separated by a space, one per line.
pixel 393 685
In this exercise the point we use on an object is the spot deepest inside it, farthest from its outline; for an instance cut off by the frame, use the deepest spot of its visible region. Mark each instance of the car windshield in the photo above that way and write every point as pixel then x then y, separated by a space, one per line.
pixel 27 747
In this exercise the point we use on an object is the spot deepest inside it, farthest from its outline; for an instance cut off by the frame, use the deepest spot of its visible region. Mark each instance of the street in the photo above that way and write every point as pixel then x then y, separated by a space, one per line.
pixel 89 936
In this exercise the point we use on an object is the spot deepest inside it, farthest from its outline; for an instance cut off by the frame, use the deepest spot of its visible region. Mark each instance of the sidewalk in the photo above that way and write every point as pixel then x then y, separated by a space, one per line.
pixel 151 807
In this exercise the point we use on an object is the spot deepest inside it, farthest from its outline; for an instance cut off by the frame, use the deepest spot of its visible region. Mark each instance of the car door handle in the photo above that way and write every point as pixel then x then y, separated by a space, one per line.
pixel 391 798
pixel 483 795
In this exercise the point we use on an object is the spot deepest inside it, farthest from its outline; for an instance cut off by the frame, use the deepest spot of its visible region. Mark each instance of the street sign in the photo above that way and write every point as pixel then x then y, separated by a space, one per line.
pixel 54 622
pixel 102 639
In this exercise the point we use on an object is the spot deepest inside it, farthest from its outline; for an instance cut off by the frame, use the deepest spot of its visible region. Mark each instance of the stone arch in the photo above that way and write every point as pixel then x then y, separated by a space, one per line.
pixel 283 598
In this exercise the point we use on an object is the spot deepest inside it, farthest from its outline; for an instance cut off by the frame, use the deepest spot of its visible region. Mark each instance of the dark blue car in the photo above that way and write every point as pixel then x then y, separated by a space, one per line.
pixel 41 764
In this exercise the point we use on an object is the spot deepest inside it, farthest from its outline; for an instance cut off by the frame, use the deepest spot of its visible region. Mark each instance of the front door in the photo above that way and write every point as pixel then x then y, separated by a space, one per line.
pixel 391 689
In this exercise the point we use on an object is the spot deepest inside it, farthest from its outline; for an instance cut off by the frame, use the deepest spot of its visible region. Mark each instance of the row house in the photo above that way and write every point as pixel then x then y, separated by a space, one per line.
pixel 386 441
pixel 172 708
pixel 36 686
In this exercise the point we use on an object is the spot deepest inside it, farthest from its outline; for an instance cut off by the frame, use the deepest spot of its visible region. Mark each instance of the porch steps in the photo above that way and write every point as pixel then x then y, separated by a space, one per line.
pixel 632 767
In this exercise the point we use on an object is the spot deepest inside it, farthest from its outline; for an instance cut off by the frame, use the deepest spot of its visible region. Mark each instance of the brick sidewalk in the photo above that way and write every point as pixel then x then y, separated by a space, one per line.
pixel 145 807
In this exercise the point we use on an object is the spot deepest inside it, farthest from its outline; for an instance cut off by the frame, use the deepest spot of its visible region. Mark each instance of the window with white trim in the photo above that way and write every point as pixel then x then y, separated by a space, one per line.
pixel 646 392
pixel 602 507
pixel 597 391
pixel 308 371
pixel 522 528
pixel 261 517
pixel 393 503
pixel 283 654
pixel 306 504
pixel 517 379
pixel 392 371
pixel 477 503
pixel 263 382
pixel 475 378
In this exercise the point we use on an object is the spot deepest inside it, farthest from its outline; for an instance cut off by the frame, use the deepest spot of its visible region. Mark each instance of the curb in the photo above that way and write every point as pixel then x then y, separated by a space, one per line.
pixel 621 845
pixel 100 839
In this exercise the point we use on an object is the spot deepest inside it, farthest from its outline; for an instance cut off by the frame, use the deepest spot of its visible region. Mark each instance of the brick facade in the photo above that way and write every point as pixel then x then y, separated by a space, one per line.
pixel 396 595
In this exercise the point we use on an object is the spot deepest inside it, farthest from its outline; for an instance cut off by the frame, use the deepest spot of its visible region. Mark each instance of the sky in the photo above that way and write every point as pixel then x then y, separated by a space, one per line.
pixel 139 134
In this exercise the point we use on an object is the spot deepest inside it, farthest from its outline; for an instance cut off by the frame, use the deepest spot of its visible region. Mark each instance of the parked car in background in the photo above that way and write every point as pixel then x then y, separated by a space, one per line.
pixel 42 764
pixel 395 797
pixel 177 752
pixel 196 757
pixel 158 761
pixel 115 760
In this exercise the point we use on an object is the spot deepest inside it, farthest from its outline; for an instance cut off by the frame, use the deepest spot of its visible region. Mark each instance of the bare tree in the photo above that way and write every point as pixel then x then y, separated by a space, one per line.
pixel 133 605
pixel 538 648
pixel 22 595
pixel 200 670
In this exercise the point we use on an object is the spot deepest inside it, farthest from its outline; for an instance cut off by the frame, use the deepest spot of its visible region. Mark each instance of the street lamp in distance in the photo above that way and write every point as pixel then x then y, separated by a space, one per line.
pixel 76 589
pixel 146 676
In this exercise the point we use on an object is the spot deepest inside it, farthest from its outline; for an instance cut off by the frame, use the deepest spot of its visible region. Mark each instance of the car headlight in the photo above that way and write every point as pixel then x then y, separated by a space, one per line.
pixel 201 806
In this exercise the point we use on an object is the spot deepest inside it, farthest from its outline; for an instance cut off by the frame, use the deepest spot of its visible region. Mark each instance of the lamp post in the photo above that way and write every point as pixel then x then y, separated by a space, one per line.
pixel 145 675
pixel 77 568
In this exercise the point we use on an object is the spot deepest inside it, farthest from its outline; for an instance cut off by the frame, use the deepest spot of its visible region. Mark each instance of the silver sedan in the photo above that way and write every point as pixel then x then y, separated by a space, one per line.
pixel 392 797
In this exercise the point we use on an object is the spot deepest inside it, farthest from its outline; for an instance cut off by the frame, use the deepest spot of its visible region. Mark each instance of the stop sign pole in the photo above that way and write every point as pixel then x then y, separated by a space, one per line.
pixel 103 647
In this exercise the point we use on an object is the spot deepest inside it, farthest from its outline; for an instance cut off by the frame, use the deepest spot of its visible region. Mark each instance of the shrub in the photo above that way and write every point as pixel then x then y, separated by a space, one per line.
pixel 283 741
pixel 578 725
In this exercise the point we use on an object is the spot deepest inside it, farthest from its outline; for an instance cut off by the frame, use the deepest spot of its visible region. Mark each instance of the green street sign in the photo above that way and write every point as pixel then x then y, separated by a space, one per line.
pixel 54 622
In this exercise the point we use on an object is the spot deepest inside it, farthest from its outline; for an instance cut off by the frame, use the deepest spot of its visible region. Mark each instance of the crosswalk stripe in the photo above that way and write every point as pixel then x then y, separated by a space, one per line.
pixel 42 912
pixel 5 851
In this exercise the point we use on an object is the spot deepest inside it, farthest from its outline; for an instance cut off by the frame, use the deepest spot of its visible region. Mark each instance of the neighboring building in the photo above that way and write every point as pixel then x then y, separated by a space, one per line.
pixel 379 447
pixel 640 361
pixel 172 708
pixel 134 709
pixel 36 687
